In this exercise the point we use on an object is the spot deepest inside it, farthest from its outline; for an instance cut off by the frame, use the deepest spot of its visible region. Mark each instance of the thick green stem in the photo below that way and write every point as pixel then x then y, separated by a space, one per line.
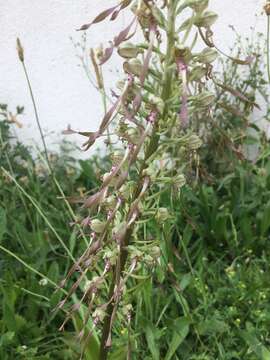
pixel 151 148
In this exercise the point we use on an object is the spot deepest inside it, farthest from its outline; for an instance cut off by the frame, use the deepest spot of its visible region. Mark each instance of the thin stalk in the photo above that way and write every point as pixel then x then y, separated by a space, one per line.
pixel 41 213
pixel 29 267
pixel 46 151
pixel 36 114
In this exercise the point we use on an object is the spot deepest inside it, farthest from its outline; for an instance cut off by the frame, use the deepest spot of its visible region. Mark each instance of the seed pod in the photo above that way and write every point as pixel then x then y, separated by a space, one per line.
pixel 179 181
pixel 97 226
pixel 133 66
pixel 128 50
pixel 162 214
pixel 207 56
pixel 194 142
pixel 206 19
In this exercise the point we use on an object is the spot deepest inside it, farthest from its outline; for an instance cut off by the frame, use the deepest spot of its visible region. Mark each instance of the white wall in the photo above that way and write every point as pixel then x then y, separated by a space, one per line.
pixel 63 93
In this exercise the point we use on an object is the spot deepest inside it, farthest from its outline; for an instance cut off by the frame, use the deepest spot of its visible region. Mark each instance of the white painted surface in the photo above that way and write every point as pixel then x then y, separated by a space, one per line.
pixel 63 93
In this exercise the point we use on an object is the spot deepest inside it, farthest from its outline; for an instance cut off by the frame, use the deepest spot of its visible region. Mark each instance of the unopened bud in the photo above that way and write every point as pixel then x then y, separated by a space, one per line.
pixel 155 252
pixel 133 135
pixel 179 181
pixel 206 19
pixel 194 142
pixel 127 309
pixel 110 202
pixel 126 190
pixel 99 53
pixel 197 5
pixel 162 214
pixel 157 102
pixel 106 178
pixel 20 50
pixel 133 66
pixel 99 314
pixel 128 50
pixel 197 73
pixel 184 53
pixel 267 8
pixel 207 56
pixel 117 157
pixel 205 98
pixel 97 226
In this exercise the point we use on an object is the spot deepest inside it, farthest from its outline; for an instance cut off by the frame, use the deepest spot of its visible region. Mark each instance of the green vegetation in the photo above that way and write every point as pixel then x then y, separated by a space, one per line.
pixel 191 281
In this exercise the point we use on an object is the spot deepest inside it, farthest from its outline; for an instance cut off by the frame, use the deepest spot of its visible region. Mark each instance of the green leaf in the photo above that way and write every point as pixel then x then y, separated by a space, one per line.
pixel 254 344
pixel 3 223
pixel 150 337
pixel 6 338
pixel 181 330
pixel 265 223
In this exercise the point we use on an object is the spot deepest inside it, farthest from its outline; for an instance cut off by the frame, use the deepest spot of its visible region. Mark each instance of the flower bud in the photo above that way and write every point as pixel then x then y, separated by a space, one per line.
pixel 120 84
pixel 207 56
pixel 126 190
pixel 267 8
pixel 20 50
pixel 155 252
pixel 206 19
pixel 99 314
pixel 127 309
pixel 179 181
pixel 156 101
pixel 110 202
pixel 162 214
pixel 97 226
pixel 128 50
pixel 194 142
pixel 133 135
pixel 133 66
pixel 99 53
pixel 197 5
pixel 184 53
pixel 197 73
pixel 111 256
pixel 117 157
pixel 112 181
pixel 147 259
pixel 204 99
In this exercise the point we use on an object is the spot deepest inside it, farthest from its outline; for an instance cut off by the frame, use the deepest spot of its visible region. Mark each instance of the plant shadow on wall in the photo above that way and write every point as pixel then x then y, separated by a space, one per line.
pixel 172 239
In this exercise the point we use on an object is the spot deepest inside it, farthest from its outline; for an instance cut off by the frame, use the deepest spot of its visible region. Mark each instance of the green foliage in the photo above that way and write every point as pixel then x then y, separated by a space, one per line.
pixel 209 296
pixel 28 327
